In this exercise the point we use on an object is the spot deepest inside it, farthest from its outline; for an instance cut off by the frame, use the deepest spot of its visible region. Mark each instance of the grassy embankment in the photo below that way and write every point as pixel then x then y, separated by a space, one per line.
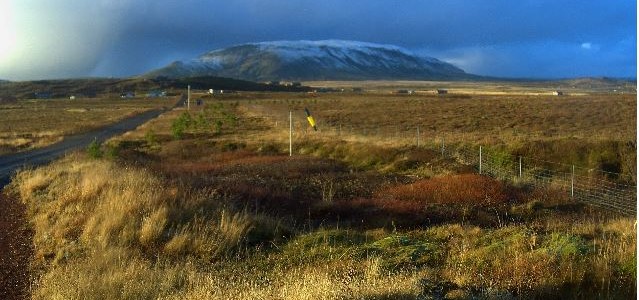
pixel 223 212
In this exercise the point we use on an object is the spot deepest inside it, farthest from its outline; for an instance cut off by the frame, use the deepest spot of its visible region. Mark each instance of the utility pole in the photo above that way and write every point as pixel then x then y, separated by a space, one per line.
pixel 188 97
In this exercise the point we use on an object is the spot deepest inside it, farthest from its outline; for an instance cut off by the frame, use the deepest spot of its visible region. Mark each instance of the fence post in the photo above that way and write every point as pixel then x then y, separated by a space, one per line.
pixel 290 133
pixel 417 135
pixel 572 182
pixel 443 148
pixel 479 160
pixel 520 167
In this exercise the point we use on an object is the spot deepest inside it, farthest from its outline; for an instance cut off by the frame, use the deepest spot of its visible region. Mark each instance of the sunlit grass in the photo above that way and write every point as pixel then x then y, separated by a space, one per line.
pixel 229 215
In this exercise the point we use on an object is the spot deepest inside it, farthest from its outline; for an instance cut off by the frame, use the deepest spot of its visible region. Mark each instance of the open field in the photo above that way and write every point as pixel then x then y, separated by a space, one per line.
pixel 207 204
pixel 577 86
pixel 591 131
pixel 29 124
pixel 463 118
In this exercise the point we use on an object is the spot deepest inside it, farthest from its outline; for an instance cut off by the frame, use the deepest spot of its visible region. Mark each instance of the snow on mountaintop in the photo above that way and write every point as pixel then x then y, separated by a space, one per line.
pixel 306 48
pixel 313 60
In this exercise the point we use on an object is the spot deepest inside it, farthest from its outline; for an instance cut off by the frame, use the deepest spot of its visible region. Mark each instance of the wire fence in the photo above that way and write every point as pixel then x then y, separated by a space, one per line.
pixel 587 185
pixel 594 190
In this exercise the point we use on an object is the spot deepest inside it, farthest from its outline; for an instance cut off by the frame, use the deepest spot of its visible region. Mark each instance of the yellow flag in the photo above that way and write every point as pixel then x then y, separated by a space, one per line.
pixel 310 119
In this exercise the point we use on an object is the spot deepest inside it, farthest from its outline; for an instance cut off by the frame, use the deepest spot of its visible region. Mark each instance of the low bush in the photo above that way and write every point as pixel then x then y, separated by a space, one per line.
pixel 470 189
pixel 180 125
pixel 94 149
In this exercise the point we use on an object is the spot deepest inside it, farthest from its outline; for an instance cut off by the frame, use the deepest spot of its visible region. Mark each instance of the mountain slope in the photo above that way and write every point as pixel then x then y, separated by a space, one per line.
pixel 313 60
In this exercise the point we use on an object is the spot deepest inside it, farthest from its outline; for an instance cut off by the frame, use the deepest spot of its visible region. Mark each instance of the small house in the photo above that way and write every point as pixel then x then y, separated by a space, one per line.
pixel 405 92
pixel 156 94
pixel 71 97
pixel 558 93
pixel 442 91
pixel 291 83
pixel 127 95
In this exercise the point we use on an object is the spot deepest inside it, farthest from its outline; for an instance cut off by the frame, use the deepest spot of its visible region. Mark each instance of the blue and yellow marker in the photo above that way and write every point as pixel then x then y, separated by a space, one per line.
pixel 310 119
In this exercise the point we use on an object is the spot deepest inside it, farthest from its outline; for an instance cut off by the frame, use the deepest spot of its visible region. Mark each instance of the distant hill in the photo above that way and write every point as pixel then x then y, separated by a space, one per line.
pixel 589 82
pixel 93 86
pixel 313 60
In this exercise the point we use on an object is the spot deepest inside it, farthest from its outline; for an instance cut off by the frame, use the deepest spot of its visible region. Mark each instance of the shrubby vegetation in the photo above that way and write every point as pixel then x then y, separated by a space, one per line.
pixel 227 214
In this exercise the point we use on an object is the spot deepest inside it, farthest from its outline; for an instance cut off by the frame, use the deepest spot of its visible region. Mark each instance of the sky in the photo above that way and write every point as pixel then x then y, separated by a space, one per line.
pixel 46 39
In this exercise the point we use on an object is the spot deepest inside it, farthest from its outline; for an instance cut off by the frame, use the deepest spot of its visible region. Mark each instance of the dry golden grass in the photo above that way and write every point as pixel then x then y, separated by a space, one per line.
pixel 229 215
pixel 104 231
pixel 571 87
pixel 462 118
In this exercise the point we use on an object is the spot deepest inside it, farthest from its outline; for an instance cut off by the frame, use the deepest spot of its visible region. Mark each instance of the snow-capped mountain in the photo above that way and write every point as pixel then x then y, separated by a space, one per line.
pixel 313 60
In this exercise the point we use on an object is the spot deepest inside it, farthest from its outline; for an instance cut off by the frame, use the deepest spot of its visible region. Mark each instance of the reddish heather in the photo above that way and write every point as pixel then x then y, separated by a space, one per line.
pixel 220 163
pixel 451 189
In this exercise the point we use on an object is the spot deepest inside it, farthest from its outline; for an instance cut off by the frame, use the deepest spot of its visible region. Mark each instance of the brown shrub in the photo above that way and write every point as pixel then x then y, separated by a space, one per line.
pixel 470 189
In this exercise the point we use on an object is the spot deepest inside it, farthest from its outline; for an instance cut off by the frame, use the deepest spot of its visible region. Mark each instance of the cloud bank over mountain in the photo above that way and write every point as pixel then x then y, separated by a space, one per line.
pixel 70 38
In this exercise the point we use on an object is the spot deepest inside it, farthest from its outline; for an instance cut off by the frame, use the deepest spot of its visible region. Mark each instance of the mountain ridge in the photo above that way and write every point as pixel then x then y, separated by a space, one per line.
pixel 313 60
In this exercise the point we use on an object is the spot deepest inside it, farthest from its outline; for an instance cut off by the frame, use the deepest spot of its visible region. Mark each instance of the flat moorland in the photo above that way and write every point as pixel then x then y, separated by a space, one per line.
pixel 208 204
pixel 29 124
pixel 476 118
pixel 596 131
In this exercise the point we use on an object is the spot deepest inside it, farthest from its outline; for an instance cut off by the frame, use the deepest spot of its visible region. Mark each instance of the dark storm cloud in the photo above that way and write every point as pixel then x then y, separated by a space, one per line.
pixel 499 38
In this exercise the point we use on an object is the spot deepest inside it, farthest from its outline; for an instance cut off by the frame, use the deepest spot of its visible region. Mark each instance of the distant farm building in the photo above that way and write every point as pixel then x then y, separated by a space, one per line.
pixel 127 95
pixel 71 97
pixel 405 92
pixel 156 94
pixel 442 91
pixel 292 84
pixel 558 93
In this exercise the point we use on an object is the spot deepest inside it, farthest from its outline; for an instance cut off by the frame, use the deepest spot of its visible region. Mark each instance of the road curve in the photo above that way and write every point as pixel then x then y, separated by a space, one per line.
pixel 12 162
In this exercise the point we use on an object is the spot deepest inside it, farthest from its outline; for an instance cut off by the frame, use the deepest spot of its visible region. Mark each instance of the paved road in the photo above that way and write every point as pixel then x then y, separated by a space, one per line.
pixel 10 163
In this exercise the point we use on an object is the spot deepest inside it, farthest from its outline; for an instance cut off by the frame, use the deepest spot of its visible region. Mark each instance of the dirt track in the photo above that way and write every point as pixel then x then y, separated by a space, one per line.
pixel 16 248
